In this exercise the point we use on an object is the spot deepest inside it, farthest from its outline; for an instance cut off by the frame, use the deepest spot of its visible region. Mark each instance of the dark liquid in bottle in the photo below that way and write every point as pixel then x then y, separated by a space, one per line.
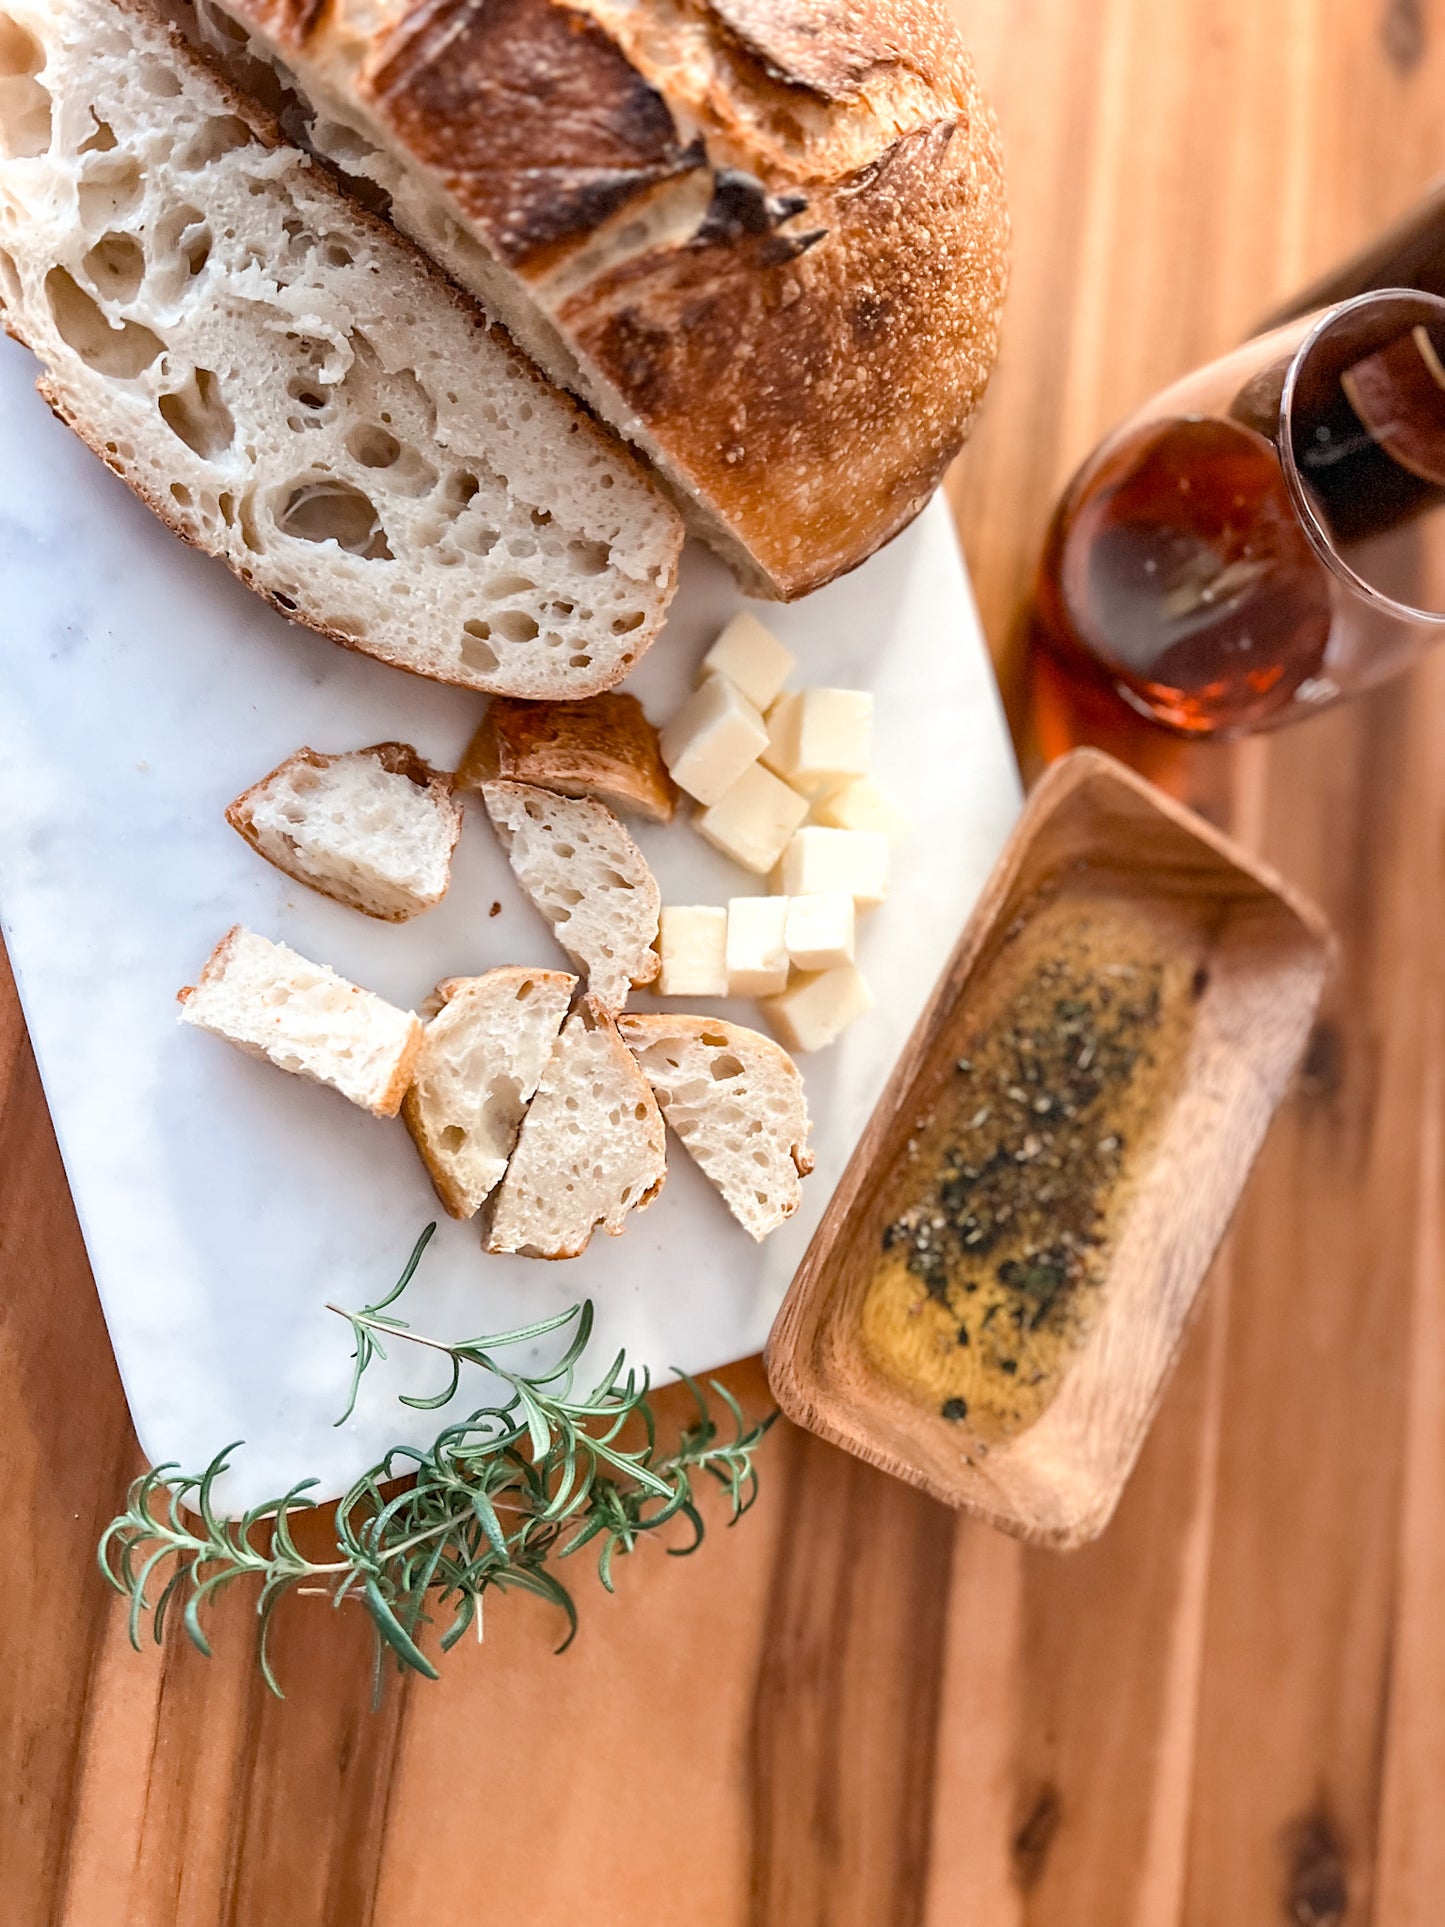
pixel 1177 564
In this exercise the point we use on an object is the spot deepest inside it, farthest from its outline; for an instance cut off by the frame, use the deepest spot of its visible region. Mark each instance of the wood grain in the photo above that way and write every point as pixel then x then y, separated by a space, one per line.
pixel 1230 1712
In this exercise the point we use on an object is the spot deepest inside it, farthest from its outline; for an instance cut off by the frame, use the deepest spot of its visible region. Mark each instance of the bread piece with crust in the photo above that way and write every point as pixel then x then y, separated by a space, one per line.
pixel 294 388
pixel 589 880
pixel 736 1101
pixel 603 747
pixel 304 1018
pixel 373 828
pixel 592 1148
pixel 482 1056
pixel 765 239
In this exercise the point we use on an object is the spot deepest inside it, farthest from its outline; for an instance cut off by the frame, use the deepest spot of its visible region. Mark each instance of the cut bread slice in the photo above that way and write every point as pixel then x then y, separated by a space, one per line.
pixel 293 387
pixel 592 1148
pixel 480 1062
pixel 589 880
pixel 604 747
pixel 736 1101
pixel 374 828
pixel 304 1018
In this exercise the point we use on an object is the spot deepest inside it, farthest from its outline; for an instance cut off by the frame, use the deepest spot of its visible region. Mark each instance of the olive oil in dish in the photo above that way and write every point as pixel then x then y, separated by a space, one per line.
pixel 1004 1204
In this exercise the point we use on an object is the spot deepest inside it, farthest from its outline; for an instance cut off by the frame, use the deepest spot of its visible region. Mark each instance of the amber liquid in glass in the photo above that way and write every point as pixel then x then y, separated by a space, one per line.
pixel 1178 566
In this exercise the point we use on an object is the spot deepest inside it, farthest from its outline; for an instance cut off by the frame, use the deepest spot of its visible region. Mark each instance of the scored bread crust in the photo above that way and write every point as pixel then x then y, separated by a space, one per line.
pixel 770 1149
pixel 398 759
pixel 766 239
pixel 638 535
pixel 604 748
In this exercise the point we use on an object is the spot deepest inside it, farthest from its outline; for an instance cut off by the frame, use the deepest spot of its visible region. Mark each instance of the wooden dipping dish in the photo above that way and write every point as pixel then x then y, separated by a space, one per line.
pixel 1258 956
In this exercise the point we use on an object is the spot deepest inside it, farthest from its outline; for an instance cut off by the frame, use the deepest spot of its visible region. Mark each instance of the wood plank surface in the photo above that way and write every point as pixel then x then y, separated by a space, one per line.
pixel 853 1711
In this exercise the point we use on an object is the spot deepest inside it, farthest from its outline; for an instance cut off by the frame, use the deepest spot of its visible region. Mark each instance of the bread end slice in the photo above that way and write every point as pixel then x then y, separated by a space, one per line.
pixel 604 748
pixel 372 828
pixel 592 1148
pixel 481 1058
pixel 304 1018
pixel 736 1101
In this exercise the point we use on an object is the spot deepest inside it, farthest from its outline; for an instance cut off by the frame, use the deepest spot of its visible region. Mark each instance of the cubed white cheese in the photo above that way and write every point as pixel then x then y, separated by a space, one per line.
pixel 692 941
pixel 813 1012
pixel 751 657
pixel 861 804
pixel 820 930
pixel 758 946
pixel 822 862
pixel 821 737
pixel 713 738
pixel 753 821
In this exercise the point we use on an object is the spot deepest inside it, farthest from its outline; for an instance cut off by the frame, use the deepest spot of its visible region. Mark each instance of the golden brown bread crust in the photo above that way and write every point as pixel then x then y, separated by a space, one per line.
pixel 400 759
pixel 603 747
pixel 804 355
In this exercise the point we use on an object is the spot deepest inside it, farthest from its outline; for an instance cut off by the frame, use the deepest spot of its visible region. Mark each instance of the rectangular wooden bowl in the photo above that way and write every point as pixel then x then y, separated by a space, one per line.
pixel 1262 956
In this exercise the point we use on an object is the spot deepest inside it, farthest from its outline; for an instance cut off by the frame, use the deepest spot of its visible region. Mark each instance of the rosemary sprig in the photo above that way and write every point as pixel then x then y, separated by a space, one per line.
pixel 495 1501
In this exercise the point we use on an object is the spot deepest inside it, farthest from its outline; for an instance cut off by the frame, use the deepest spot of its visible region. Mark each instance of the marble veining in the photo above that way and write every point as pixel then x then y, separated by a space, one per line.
pixel 223 1203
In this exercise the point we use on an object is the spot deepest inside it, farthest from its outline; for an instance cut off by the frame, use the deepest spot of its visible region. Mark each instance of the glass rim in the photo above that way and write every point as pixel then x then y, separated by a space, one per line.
pixel 1319 537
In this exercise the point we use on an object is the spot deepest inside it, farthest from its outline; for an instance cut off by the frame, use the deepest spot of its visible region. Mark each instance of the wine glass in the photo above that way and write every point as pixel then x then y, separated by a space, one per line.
pixel 1267 536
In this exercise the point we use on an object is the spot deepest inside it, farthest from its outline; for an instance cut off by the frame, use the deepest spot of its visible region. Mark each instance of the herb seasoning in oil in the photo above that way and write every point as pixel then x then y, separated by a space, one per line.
pixel 1003 1209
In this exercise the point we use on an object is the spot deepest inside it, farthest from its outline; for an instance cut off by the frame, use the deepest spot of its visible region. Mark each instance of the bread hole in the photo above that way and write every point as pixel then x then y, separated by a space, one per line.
pixel 161 83
pixel 526 990
pixel 505 585
pixel 285 603
pixel 183 231
pixel 579 662
pixel 639 1111
pixel 24 103
pixel 477 653
pixel 10 288
pixel 111 188
pixel 198 414
pixel 181 495
pixel 541 518
pixel 588 558
pixel 222 134
pixel 724 1067
pixel 332 511
pixel 120 353
pixel 250 532
pixel 462 488
pixel 515 625
pixel 453 1138
pixel 226 509
pixel 304 390
pixel 624 625
pixel 374 447
pixel 338 255
pixel 116 266
pixel 101 140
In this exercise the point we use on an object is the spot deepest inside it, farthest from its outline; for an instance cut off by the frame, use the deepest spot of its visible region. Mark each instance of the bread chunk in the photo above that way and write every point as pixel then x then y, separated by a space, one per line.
pixel 294 388
pixel 589 880
pixel 736 1101
pixel 304 1018
pixel 374 828
pixel 480 1062
pixel 604 747
pixel 592 1148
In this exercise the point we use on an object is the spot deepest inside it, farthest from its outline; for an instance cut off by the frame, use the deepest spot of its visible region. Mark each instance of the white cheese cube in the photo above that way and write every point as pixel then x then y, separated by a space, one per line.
pixel 821 862
pixel 712 739
pixel 820 737
pixel 820 930
pixel 754 820
pixel 758 946
pixel 861 804
pixel 752 658
pixel 692 941
pixel 813 1012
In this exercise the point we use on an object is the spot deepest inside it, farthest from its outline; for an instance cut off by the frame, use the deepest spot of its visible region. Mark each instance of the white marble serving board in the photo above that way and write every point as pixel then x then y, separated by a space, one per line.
pixel 223 1203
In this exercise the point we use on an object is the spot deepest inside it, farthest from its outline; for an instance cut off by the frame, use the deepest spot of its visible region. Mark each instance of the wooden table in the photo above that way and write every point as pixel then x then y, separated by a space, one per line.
pixel 854 1712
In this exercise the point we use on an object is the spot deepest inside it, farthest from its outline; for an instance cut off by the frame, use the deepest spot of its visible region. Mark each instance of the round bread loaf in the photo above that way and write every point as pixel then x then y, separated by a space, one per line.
pixel 765 239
